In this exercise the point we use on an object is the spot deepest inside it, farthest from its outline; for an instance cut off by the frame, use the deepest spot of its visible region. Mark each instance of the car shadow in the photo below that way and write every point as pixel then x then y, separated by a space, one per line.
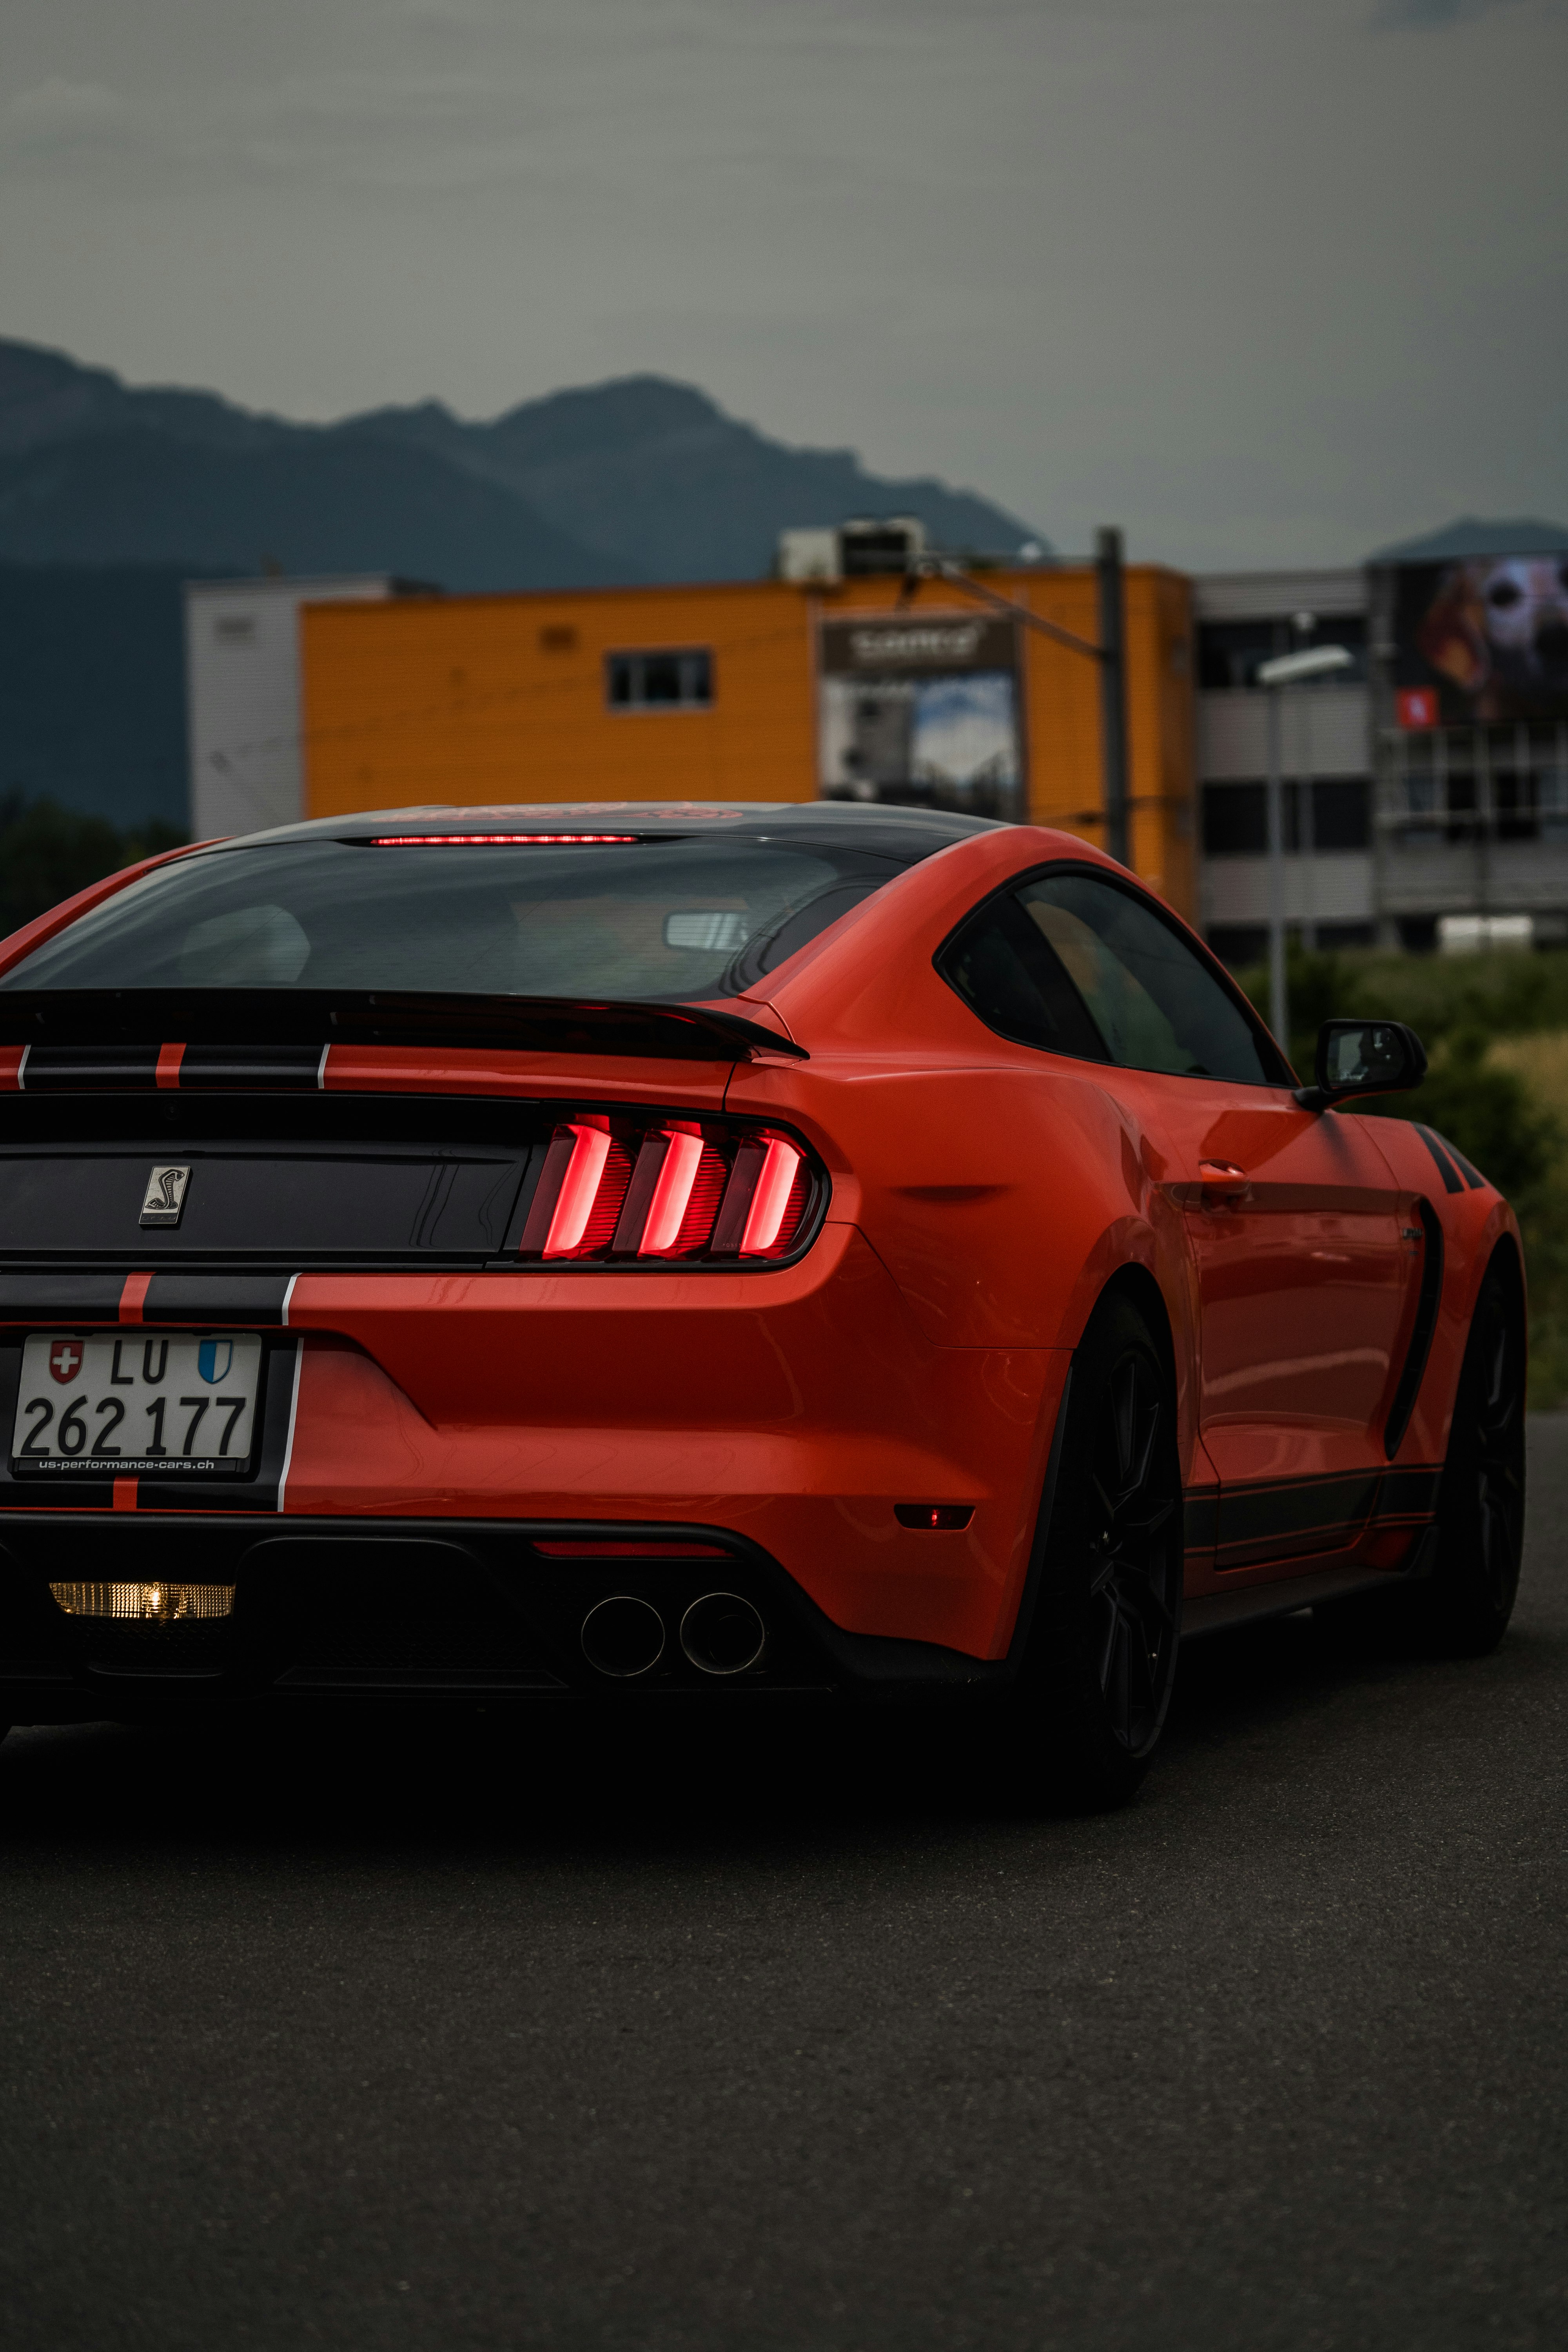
pixel 552 1780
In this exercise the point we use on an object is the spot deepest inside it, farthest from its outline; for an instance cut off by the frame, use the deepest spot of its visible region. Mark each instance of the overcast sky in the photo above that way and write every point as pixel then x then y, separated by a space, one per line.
pixel 1265 280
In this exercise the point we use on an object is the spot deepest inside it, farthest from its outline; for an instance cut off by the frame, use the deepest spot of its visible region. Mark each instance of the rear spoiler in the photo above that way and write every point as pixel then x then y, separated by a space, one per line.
pixel 101 1037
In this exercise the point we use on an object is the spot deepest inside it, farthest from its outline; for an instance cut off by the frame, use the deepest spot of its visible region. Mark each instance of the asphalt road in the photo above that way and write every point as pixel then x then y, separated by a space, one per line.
pixel 484 2037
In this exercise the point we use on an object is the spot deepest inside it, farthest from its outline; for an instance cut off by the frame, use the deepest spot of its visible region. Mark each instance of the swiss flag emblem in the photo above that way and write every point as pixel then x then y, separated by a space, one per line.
pixel 65 1359
pixel 1417 707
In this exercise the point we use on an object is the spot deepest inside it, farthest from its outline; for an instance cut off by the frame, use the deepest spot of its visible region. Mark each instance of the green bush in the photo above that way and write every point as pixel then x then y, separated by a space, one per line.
pixel 1490 1114
pixel 1502 995
pixel 47 852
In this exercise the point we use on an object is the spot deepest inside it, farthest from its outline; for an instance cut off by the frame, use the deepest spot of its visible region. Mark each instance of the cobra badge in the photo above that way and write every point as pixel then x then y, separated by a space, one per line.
pixel 165 1196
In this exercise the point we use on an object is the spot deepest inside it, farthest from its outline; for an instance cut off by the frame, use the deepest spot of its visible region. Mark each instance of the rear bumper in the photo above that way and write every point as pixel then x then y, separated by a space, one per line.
pixel 799 1409
pixel 432 1609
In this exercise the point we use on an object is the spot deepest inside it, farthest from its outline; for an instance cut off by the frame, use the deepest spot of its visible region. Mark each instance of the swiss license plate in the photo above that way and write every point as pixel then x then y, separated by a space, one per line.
pixel 119 1403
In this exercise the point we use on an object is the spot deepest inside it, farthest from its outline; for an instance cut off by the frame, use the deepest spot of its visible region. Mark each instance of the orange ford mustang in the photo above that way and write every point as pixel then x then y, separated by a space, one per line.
pixel 662 1251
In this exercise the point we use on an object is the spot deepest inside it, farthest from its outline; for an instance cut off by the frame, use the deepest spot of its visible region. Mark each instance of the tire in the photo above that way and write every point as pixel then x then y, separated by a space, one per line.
pixel 1462 1609
pixel 1091 1702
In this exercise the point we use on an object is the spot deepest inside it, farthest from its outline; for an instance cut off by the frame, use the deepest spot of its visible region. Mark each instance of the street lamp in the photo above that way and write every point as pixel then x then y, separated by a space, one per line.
pixel 1286 669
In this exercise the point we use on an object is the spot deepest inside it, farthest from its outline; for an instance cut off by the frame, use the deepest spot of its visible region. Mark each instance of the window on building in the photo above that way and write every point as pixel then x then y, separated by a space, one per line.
pixel 1341 812
pixel 1230 652
pixel 1238 944
pixel 677 677
pixel 1470 784
pixel 1236 820
pixel 1235 816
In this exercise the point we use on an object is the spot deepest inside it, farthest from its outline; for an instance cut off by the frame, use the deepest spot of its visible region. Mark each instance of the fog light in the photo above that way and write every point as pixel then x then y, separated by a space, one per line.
pixel 155 1604
pixel 936 1518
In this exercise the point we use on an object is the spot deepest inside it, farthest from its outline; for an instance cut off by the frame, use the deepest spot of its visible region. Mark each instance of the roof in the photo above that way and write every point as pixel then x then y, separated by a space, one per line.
pixel 1473 535
pixel 869 823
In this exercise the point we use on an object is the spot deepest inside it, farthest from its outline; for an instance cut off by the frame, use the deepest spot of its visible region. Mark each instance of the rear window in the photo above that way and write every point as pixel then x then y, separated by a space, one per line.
pixel 673 919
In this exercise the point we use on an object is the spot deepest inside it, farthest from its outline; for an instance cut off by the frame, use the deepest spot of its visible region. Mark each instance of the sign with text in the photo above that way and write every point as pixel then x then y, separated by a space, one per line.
pixel 922 709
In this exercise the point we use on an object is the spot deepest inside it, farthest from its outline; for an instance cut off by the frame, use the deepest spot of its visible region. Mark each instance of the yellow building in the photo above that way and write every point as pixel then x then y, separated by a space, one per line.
pixel 770 691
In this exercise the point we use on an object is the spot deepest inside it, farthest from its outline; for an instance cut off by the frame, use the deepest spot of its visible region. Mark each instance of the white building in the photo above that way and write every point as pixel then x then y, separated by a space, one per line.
pixel 1326 730
pixel 242 690
pixel 1405 803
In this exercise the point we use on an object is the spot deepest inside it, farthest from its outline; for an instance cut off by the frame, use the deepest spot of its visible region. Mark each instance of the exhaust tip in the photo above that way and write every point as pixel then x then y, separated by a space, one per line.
pixel 722 1635
pixel 623 1636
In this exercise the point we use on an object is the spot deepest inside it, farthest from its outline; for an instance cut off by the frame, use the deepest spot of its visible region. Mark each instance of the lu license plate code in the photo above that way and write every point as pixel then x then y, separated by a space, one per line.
pixel 172 1402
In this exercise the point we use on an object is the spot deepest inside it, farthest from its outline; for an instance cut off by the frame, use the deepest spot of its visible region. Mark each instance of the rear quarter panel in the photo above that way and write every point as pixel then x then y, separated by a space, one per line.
pixel 1003 1187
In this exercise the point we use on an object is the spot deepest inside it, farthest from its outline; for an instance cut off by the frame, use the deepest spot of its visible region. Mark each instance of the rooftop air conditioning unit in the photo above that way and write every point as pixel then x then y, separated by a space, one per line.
pixel 808 555
pixel 872 544
pixel 856 550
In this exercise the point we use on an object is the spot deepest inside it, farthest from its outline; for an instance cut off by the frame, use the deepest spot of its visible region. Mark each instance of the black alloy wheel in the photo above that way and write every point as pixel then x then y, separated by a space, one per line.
pixel 1102 1659
pixel 1464 1606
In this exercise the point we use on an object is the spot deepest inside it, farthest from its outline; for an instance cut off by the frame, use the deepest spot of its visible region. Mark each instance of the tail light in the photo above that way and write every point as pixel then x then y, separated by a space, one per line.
pixel 607 1191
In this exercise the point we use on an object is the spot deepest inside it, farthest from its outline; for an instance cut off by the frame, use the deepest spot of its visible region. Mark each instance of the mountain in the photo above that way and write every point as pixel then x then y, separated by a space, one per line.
pixel 138 495
pixel 638 479
pixel 1471 535
pixel 93 691
pixel 654 476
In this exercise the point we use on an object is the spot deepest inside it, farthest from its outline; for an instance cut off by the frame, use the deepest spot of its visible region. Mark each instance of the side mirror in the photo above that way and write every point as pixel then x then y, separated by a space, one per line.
pixel 1364 1058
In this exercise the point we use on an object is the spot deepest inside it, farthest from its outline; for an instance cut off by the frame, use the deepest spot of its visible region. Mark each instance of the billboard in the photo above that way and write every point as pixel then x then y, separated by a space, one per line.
pixel 1481 640
pixel 921 709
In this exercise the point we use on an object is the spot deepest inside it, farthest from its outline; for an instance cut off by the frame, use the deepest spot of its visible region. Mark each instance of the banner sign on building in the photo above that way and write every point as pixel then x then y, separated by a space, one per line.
pixel 922 709
pixel 1486 639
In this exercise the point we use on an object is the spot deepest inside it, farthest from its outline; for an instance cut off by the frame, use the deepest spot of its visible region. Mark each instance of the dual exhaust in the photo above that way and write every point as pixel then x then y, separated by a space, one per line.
pixel 719 1634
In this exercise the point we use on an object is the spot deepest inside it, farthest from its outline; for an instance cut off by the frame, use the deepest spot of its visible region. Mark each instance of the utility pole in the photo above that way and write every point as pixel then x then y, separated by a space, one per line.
pixel 1112 688
pixel 1110 653
pixel 1279 998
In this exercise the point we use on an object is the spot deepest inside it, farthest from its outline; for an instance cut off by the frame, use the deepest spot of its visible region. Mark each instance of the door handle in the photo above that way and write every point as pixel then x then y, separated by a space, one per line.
pixel 1224 1183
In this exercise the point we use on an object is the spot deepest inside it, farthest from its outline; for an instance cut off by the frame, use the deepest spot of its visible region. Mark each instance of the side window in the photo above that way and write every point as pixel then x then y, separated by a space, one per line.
pixel 1003 964
pixel 1156 1005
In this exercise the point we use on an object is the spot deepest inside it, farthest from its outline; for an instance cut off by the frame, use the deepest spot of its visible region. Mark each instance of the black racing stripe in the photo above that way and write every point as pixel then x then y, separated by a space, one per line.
pixel 1279 1516
pixel 1410 1494
pixel 66 1069
pixel 254 1299
pixel 75 1069
pixel 50 1494
pixel 1282 1507
pixel 1226 1557
pixel 1472 1176
pixel 1279 1519
pixel 1200 1519
pixel 282 1069
pixel 1452 1179
pixel 60 1298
